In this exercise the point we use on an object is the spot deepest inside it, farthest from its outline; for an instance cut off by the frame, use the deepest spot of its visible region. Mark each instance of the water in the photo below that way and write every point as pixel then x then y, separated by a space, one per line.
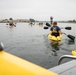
pixel 30 42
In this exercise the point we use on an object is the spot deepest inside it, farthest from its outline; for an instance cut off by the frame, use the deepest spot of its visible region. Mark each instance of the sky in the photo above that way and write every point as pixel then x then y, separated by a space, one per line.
pixel 38 9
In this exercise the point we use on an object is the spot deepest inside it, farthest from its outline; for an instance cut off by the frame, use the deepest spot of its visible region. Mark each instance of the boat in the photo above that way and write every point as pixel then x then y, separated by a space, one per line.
pixel 13 65
pixel 73 56
pixel 40 24
pixel 11 26
pixel 54 38
pixel 73 52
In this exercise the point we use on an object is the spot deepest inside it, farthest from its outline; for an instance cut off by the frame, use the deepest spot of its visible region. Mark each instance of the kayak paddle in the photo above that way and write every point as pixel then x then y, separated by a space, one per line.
pixel 46 27
pixel 14 25
pixel 68 28
pixel 70 36
pixel 47 24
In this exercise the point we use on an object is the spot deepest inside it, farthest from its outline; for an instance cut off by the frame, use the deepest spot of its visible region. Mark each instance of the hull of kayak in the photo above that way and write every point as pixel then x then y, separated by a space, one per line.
pixel 13 65
pixel 53 38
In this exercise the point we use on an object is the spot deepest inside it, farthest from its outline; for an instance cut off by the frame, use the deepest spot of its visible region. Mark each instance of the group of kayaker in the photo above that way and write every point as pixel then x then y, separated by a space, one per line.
pixel 55 30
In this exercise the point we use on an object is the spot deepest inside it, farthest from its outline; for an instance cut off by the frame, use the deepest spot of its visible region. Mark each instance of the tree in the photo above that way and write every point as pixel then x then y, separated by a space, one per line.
pixel 31 20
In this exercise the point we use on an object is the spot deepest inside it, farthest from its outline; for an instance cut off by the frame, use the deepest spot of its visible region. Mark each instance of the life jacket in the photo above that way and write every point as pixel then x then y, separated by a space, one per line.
pixel 55 32
pixel 10 22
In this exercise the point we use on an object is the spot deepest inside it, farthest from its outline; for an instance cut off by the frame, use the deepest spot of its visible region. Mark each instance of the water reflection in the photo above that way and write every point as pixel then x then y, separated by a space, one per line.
pixel 55 48
pixel 55 45
pixel 71 42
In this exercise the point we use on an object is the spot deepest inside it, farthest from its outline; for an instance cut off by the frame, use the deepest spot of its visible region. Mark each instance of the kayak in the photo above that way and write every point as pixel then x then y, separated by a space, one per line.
pixel 13 65
pixel 73 52
pixel 12 25
pixel 54 38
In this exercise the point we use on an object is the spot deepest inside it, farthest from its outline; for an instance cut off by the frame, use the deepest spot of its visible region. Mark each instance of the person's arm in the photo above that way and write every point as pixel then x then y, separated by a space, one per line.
pixel 51 30
pixel 60 32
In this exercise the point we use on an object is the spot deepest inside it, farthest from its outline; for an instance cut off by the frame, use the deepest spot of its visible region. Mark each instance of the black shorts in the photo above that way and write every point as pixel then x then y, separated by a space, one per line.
pixel 55 34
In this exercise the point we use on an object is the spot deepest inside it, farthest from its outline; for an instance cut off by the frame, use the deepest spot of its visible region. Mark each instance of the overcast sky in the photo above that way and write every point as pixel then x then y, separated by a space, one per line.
pixel 38 9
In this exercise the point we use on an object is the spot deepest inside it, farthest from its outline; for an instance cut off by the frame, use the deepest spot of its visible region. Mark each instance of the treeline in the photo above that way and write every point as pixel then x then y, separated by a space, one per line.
pixel 17 20
pixel 72 21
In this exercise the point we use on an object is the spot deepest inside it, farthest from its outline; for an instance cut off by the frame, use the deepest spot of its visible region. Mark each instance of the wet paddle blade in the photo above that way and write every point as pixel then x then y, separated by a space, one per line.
pixel 71 37
pixel 47 24
pixel 46 27
pixel 68 28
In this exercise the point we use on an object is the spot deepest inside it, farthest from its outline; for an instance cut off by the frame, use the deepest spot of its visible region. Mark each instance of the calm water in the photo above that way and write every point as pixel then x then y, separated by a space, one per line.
pixel 31 43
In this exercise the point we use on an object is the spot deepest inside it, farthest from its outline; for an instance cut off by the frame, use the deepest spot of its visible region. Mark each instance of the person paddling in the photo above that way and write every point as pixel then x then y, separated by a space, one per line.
pixel 55 30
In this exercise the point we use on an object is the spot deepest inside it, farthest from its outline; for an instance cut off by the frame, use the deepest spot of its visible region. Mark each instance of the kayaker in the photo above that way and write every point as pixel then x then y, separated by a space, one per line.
pixel 11 22
pixel 55 30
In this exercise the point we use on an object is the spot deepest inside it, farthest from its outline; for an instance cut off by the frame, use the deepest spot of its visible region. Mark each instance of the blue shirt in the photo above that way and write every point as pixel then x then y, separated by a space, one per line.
pixel 55 27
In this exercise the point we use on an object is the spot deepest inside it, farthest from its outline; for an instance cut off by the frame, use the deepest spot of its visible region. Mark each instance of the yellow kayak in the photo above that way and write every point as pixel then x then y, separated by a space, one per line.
pixel 12 65
pixel 54 38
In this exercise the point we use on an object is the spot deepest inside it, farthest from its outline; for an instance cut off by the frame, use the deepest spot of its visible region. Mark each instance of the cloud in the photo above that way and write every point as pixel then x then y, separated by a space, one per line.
pixel 38 9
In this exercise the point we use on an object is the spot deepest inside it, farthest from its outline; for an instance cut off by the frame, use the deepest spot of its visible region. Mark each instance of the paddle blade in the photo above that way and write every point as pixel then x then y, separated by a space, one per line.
pixel 68 28
pixel 47 24
pixel 46 27
pixel 71 37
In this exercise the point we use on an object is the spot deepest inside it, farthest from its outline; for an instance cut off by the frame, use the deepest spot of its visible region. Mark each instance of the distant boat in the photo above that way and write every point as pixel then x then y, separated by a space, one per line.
pixel 31 23
pixel 40 24
pixel 11 24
